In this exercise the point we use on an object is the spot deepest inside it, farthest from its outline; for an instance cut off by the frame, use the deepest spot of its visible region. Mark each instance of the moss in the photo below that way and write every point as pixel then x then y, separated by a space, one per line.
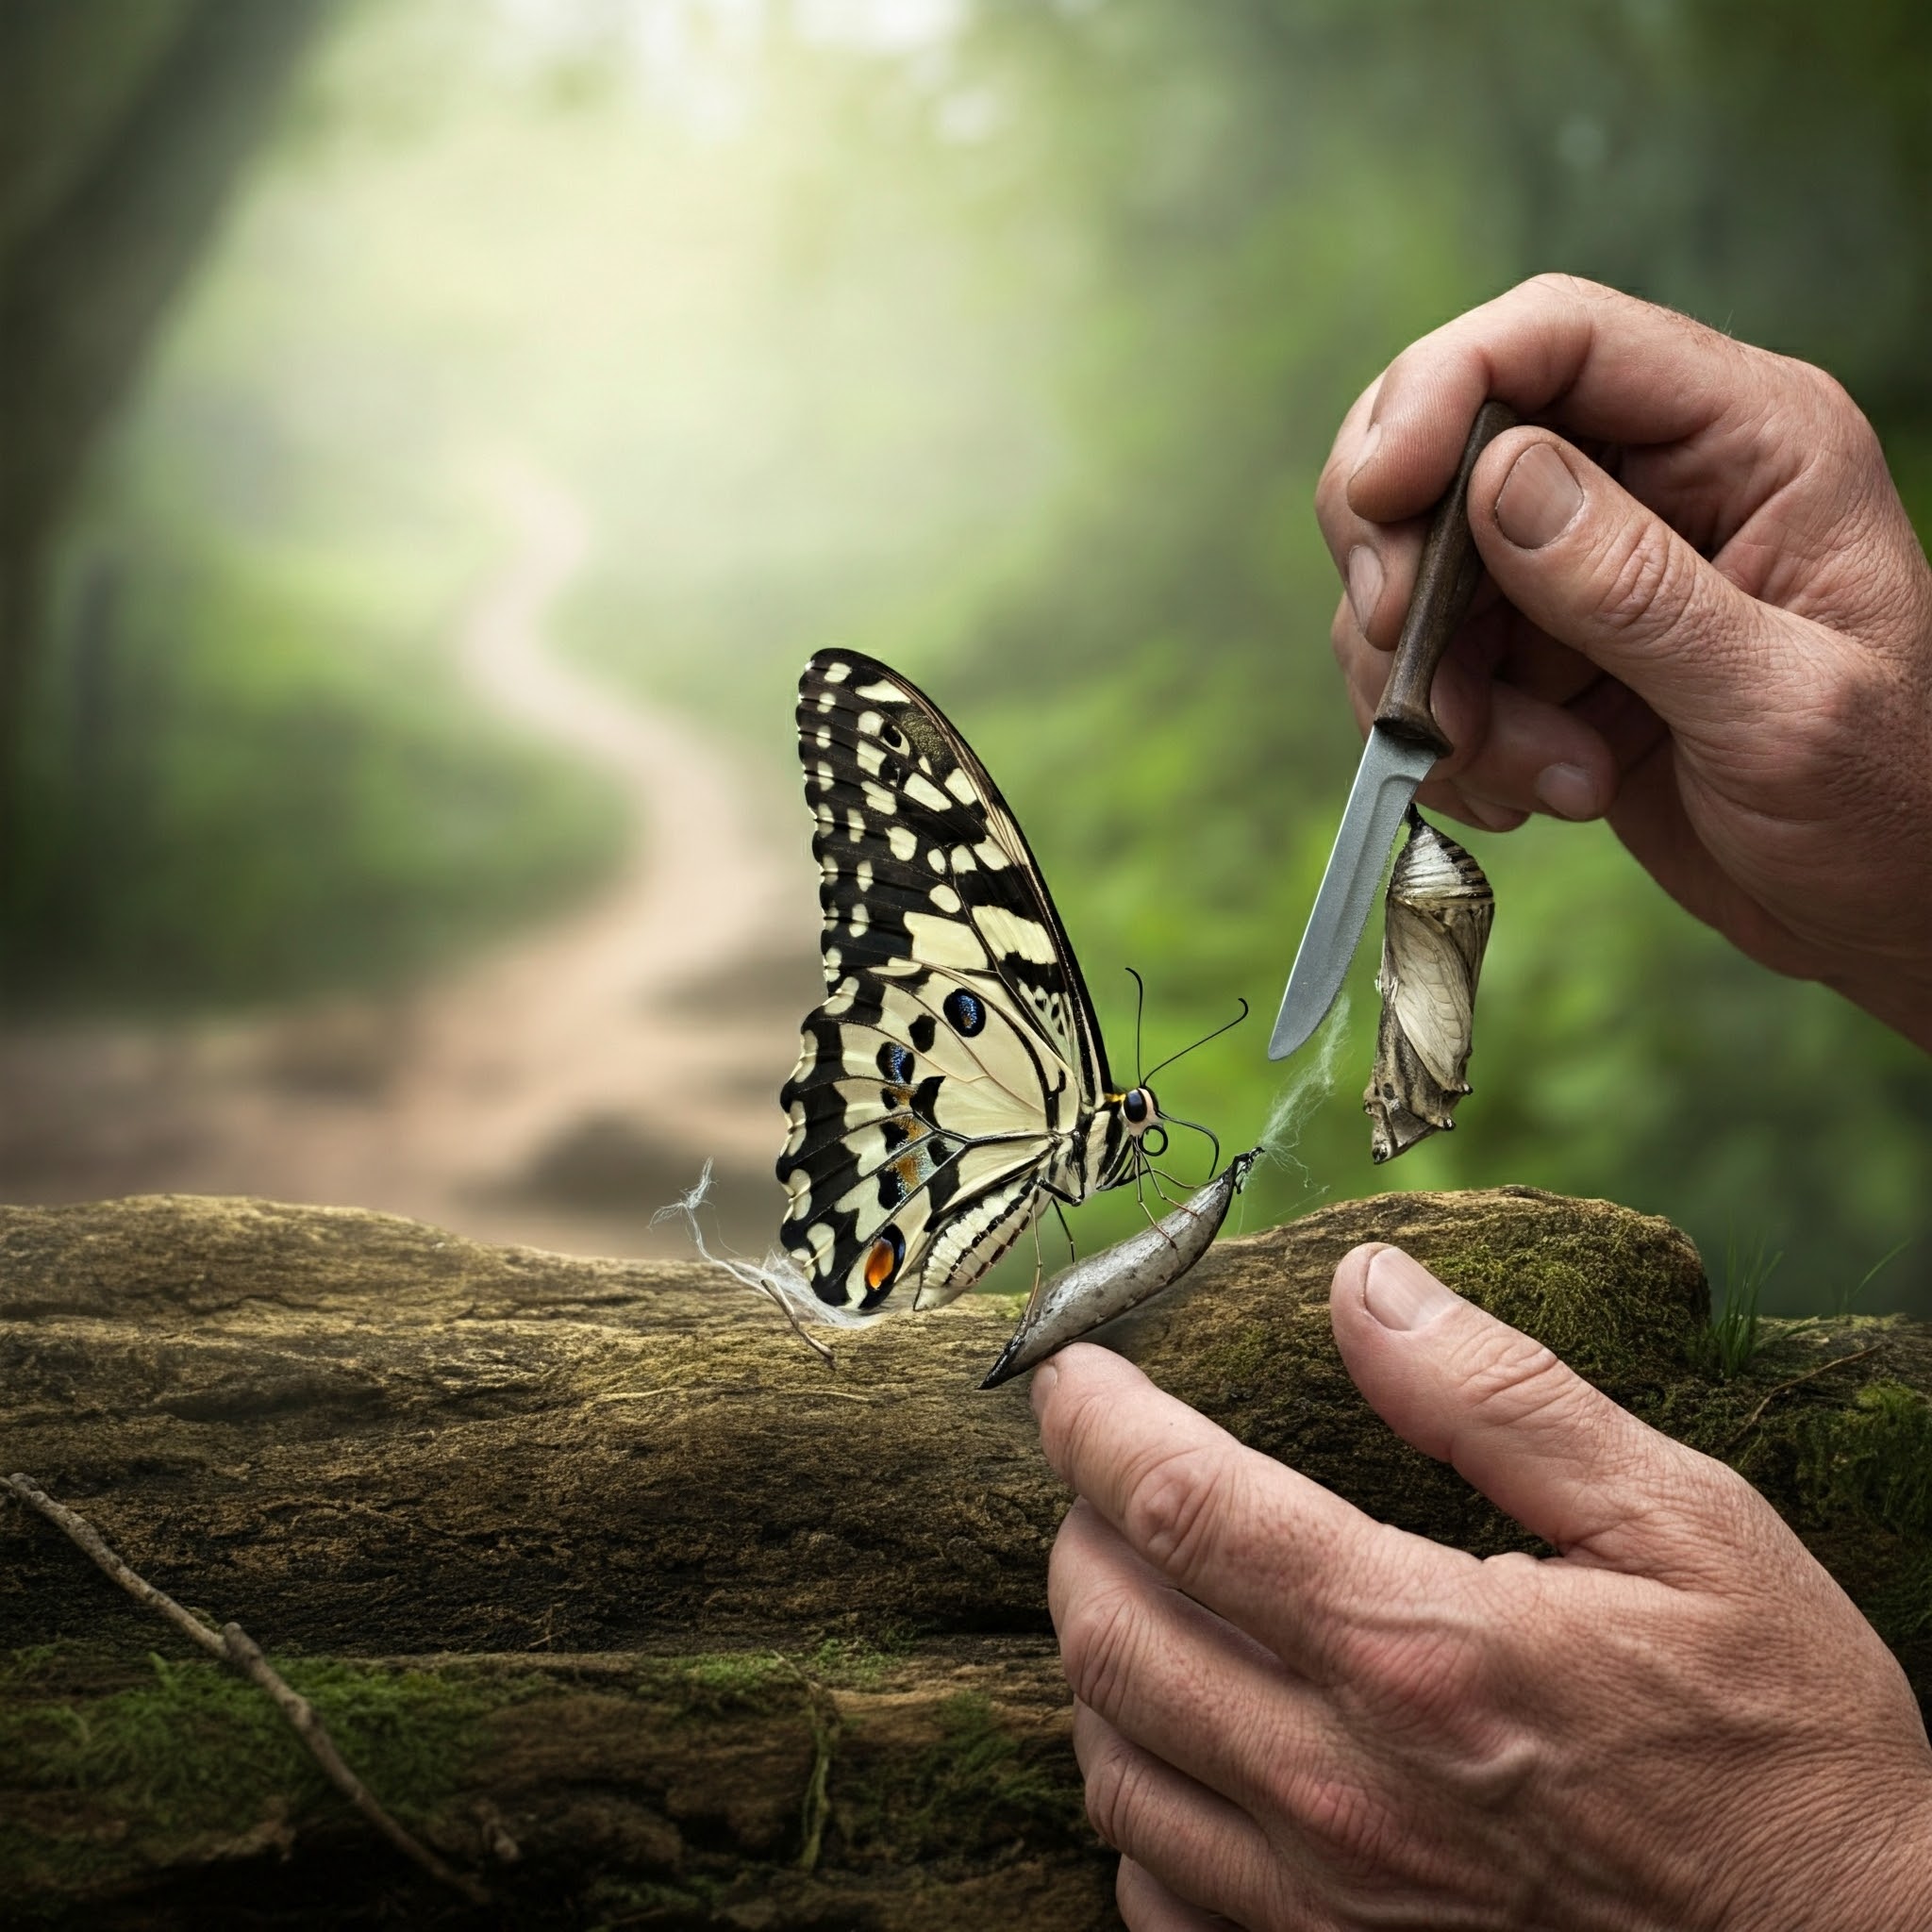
pixel 1239 1360
pixel 1900 1607
pixel 637 1905
pixel 1599 1298
pixel 192 1752
pixel 975 1783
pixel 1874 1456
pixel 713 1685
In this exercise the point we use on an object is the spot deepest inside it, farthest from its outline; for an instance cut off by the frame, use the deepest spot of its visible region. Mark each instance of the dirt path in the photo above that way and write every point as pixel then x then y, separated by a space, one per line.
pixel 554 1091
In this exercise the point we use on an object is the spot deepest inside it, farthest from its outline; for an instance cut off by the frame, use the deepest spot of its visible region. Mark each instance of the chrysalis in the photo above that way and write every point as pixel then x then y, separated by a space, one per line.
pixel 1436 925
pixel 1078 1299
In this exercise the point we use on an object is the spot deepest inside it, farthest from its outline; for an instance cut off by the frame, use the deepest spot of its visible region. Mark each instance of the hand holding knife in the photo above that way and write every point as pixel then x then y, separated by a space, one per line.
pixel 1402 746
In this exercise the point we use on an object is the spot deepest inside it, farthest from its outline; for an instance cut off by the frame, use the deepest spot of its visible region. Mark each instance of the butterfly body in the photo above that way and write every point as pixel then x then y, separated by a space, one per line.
pixel 953 1083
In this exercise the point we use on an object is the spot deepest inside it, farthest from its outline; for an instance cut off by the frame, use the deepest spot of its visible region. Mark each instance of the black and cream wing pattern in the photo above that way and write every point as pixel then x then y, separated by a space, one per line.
pixel 953 1083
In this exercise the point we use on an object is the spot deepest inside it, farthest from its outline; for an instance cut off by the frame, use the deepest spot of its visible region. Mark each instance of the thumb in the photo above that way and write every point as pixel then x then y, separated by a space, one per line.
pixel 1585 562
pixel 1525 1429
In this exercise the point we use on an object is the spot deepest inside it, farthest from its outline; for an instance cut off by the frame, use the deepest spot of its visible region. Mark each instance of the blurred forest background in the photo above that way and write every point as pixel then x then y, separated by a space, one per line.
pixel 437 430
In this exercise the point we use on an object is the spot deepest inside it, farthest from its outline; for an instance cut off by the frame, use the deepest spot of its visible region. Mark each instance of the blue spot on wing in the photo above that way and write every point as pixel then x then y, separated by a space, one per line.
pixel 965 1012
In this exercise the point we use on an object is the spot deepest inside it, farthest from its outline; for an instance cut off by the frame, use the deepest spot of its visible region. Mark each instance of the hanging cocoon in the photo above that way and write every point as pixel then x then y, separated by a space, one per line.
pixel 1436 926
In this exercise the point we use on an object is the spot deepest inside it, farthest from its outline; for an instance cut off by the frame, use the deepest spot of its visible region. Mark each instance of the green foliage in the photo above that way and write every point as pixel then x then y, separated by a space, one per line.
pixel 1734 1329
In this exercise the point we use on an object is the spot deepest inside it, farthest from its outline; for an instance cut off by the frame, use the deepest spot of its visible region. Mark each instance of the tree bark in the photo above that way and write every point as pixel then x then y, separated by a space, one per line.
pixel 647 1575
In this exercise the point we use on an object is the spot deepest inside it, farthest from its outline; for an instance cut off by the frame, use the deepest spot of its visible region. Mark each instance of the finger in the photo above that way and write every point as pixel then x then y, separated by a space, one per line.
pixel 1274 1553
pixel 1513 752
pixel 1147 1905
pixel 1588 357
pixel 1170 1674
pixel 1558 1455
pixel 1707 431
pixel 1339 523
pixel 1192 1840
pixel 1452 802
pixel 1587 562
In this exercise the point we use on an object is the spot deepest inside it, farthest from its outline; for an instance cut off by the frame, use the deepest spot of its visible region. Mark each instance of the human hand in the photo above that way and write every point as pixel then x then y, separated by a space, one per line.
pixel 1296 1716
pixel 1718 634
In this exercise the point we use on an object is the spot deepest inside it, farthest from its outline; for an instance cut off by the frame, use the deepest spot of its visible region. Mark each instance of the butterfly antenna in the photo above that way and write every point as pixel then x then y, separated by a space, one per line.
pixel 1185 1050
pixel 1139 1007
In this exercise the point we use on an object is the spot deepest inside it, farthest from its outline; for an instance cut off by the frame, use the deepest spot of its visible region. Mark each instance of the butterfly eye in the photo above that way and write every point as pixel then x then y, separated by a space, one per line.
pixel 1136 1106
pixel 964 1012
pixel 883 1260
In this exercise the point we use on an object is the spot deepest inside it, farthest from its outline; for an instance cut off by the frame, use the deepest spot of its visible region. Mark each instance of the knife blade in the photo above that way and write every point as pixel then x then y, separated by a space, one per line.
pixel 1403 744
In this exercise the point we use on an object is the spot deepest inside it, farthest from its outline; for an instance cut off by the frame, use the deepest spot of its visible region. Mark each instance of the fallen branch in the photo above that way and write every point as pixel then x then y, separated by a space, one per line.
pixel 233 1647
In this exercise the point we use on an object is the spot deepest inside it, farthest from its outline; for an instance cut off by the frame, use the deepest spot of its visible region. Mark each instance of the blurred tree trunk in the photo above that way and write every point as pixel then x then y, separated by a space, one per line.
pixel 123 127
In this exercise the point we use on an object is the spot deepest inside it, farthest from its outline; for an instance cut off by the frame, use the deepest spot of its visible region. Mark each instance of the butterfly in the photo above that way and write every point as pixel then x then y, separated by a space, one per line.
pixel 953 1083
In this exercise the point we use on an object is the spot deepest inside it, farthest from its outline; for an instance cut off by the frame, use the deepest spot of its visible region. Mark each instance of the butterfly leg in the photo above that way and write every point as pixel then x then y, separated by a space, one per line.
pixel 1145 1171
pixel 1073 1253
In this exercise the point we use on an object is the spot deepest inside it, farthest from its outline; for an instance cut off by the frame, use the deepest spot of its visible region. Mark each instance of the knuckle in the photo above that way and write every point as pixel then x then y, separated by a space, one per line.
pixel 1830 401
pixel 1177 1512
pixel 1119 1792
pixel 1337 1818
pixel 1564 287
pixel 1511 1379
pixel 1824 739
pixel 1099 1635
pixel 1645 579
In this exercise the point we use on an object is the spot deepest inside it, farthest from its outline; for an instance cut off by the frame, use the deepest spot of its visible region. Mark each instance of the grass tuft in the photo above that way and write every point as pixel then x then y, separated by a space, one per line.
pixel 1736 1329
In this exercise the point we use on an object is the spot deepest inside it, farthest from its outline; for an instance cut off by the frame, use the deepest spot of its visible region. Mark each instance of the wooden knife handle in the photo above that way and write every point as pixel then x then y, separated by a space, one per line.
pixel 1444 584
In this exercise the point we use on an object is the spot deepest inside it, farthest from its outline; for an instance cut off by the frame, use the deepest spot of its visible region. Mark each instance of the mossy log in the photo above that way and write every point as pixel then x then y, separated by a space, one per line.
pixel 618 1595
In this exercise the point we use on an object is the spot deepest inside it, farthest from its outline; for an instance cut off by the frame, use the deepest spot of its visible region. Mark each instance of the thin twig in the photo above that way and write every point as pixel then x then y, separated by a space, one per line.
pixel 822 1714
pixel 245 1653
pixel 1745 1427
pixel 234 1647
pixel 82 1532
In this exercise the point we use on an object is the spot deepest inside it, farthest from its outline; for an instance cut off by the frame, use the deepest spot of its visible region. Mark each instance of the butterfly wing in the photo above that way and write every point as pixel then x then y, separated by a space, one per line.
pixel 946 1088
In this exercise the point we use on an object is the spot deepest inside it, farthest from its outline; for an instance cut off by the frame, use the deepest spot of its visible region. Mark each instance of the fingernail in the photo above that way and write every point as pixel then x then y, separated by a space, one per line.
pixel 1371 443
pixel 1045 1376
pixel 1364 583
pixel 1402 1293
pixel 1538 498
pixel 1568 791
